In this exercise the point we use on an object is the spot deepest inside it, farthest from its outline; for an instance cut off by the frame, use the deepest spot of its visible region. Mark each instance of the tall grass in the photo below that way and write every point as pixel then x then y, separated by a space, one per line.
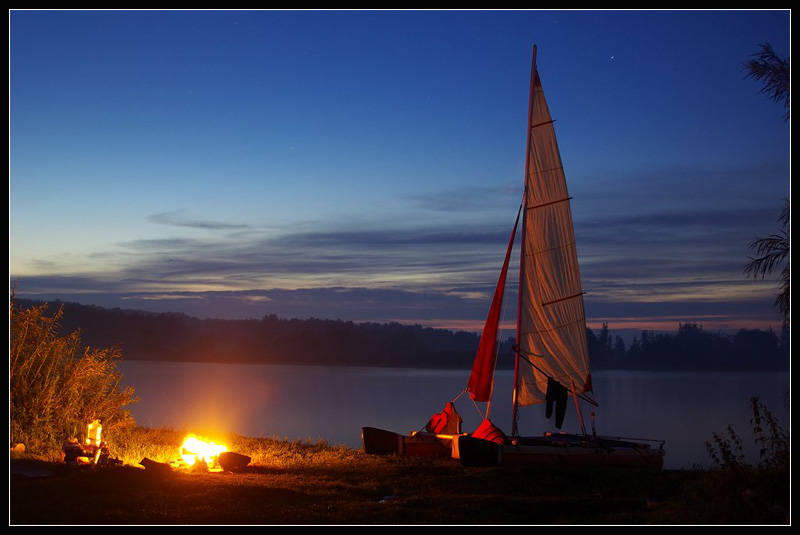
pixel 57 386
pixel 132 443
pixel 736 491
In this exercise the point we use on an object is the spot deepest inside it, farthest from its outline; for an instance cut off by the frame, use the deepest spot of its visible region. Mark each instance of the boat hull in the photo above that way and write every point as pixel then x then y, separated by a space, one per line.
pixel 559 450
pixel 382 442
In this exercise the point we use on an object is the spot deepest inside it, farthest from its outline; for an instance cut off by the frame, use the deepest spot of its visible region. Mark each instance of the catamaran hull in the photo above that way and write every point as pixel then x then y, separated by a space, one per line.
pixel 382 442
pixel 609 453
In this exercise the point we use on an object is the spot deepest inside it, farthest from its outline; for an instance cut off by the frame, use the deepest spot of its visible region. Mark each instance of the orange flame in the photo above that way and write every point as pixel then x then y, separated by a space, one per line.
pixel 194 450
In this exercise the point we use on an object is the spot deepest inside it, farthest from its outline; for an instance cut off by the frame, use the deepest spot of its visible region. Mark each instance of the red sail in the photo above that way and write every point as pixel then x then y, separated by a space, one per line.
pixel 481 378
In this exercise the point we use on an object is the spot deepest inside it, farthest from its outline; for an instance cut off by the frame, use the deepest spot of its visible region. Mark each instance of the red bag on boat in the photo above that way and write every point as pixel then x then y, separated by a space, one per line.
pixel 447 422
pixel 488 431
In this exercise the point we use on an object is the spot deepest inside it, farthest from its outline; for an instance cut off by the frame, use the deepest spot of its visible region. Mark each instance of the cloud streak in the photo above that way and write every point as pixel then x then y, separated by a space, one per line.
pixel 669 261
pixel 174 219
pixel 442 277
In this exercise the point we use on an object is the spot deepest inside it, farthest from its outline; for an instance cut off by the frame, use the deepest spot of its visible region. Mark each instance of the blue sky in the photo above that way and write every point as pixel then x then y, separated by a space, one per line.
pixel 367 165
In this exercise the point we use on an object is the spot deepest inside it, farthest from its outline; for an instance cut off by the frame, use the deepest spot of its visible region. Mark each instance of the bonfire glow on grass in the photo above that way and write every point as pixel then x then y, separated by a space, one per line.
pixel 194 450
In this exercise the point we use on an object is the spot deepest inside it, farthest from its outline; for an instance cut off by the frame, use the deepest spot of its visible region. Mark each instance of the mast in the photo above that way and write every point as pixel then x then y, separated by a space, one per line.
pixel 515 397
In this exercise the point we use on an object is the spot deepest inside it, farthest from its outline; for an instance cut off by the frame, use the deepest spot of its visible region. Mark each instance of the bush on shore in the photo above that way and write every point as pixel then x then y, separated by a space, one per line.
pixel 57 386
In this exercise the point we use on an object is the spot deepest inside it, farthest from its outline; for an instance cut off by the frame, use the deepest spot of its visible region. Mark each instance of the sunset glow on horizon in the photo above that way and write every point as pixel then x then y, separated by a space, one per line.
pixel 367 165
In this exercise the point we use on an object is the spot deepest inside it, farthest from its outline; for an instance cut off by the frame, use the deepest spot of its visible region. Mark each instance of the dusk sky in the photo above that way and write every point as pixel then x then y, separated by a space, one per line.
pixel 368 165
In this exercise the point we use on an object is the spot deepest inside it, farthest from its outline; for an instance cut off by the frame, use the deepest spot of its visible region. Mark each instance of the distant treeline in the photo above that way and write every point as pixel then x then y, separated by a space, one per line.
pixel 272 340
pixel 691 348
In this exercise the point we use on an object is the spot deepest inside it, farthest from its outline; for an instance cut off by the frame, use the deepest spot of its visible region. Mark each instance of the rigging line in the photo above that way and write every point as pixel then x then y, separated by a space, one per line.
pixel 578 408
pixel 549 170
pixel 576 394
pixel 563 299
pixel 521 354
pixel 541 252
pixel 660 441
pixel 565 199
pixel 459 395
pixel 545 123
pixel 475 403
pixel 554 329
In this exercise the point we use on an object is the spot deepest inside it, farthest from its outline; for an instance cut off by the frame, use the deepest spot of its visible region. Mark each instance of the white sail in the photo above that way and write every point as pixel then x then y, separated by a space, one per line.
pixel 552 322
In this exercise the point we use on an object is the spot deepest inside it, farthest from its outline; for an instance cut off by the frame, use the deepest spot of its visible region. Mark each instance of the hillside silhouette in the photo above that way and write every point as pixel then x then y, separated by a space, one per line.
pixel 273 340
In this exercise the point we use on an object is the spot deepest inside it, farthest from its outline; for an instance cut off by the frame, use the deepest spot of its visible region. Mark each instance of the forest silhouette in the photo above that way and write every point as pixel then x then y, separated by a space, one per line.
pixel 273 340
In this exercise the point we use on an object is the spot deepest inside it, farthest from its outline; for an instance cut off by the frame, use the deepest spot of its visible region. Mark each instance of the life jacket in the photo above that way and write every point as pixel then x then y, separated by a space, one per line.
pixel 488 431
pixel 447 422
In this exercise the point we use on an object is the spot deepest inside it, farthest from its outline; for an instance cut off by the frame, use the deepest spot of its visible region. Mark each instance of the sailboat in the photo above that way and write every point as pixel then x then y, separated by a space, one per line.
pixel 551 363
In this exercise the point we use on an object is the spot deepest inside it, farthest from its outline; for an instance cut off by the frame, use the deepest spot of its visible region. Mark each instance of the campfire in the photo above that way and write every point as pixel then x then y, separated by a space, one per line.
pixel 196 452
pixel 200 455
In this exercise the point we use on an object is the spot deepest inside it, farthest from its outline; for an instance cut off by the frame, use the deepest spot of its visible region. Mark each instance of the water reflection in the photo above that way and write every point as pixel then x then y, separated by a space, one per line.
pixel 333 403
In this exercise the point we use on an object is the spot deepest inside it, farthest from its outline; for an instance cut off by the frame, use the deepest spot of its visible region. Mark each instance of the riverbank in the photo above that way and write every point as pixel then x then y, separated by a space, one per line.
pixel 338 486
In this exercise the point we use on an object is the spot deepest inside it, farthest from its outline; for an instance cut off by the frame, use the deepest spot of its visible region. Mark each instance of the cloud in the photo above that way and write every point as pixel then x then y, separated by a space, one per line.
pixel 174 219
pixel 330 253
pixel 658 258
pixel 349 304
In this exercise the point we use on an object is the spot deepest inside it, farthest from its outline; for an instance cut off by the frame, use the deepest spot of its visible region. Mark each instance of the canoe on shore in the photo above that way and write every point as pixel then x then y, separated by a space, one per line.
pixel 418 444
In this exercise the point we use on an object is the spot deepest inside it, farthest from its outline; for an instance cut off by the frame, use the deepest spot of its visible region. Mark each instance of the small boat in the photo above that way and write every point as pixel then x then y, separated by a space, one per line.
pixel 415 444
pixel 551 358
pixel 436 440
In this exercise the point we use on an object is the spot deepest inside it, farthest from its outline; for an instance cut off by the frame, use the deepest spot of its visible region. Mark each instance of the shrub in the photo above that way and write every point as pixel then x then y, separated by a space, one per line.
pixel 56 386
pixel 772 439
pixel 747 493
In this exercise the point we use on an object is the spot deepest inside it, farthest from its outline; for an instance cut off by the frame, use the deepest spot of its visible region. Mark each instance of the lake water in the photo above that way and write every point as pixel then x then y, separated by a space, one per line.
pixel 333 403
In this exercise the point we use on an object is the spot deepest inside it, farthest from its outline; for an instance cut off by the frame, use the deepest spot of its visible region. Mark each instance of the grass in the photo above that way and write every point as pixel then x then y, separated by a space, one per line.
pixel 313 483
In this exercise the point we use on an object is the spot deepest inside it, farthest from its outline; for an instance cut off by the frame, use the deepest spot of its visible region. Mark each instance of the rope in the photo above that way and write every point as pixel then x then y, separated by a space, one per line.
pixel 576 394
